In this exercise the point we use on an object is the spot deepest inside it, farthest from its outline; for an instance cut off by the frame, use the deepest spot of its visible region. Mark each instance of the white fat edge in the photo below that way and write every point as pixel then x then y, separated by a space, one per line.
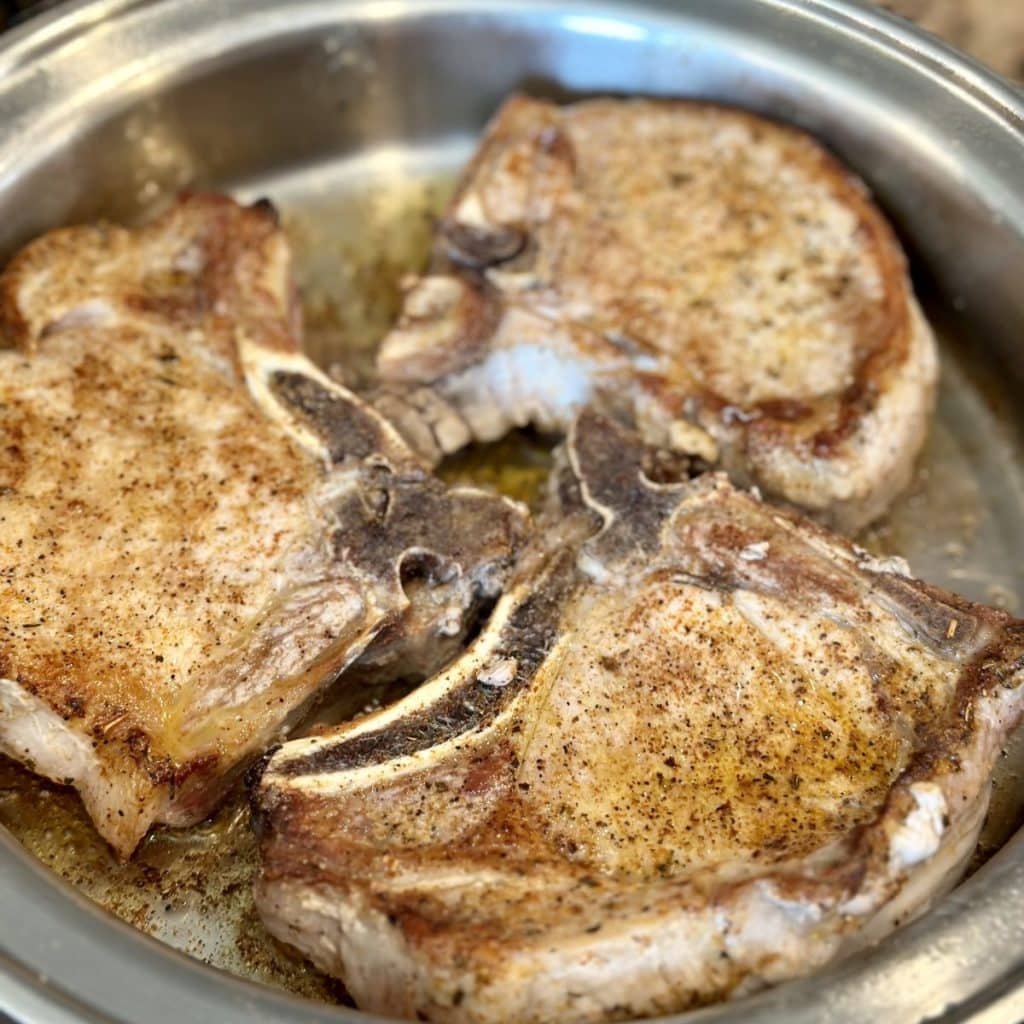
pixel 1001 710
pixel 953 844
pixel 476 662
pixel 920 833
pixel 793 933
pixel 802 913
pixel 865 900
pixel 764 918
pixel 345 936
pixel 259 362
pixel 885 910
pixel 635 961
pixel 521 382
pixel 32 732
pixel 885 437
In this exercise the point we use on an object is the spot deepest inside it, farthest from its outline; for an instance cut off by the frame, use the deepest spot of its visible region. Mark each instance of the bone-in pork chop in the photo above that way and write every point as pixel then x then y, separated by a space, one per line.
pixel 719 273
pixel 197 528
pixel 708 748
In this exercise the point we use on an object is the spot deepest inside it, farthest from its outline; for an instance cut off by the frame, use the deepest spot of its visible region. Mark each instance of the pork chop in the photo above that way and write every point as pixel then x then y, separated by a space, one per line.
pixel 198 530
pixel 719 273
pixel 701 746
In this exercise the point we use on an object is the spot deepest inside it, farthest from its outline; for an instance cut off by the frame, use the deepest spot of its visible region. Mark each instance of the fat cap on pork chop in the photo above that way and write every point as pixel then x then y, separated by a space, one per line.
pixel 706 747
pixel 718 272
pixel 198 530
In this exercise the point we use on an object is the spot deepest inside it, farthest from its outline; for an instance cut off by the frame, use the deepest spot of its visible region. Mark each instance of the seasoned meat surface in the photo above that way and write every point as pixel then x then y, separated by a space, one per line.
pixel 197 529
pixel 719 274
pixel 702 745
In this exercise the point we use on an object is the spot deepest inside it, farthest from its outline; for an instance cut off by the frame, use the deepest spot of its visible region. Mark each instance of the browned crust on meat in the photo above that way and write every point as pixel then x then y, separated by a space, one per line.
pixel 518 855
pixel 183 568
pixel 884 340
pixel 818 429
pixel 527 183
pixel 206 261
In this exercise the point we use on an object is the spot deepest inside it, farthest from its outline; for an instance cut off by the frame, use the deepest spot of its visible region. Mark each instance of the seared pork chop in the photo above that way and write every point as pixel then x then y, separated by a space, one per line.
pixel 720 273
pixel 199 529
pixel 701 746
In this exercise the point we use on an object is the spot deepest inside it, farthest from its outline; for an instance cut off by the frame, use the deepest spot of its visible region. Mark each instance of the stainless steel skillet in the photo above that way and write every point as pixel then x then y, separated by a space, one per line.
pixel 107 106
